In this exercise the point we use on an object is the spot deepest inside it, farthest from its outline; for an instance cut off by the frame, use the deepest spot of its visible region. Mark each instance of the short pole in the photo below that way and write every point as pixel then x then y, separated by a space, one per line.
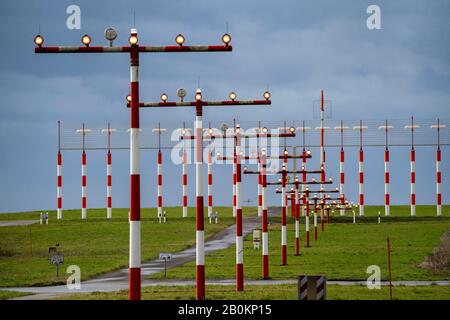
pixel 389 268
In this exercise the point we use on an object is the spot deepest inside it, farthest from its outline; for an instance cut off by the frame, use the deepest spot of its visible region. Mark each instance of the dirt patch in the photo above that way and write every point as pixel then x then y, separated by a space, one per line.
pixel 439 259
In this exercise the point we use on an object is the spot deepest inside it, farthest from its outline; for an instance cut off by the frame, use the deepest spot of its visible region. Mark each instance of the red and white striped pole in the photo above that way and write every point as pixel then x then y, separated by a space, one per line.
pixel 259 188
pixel 159 172
pixel 109 177
pixel 83 178
pixel 135 201
pixel 341 168
pixel 283 211
pixel 438 172
pixel 200 233
pixel 239 239
pixel 59 176
pixel 387 200
pixel 234 183
pixel 265 222
pixel 295 207
pixel 413 171
pixel 210 181
pixel 361 172
pixel 306 206
pixel 184 175
pixel 315 218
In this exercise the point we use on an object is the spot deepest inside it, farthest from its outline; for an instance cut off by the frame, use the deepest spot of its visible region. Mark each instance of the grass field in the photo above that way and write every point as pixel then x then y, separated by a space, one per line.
pixel 273 292
pixel 4 295
pixel 96 245
pixel 343 251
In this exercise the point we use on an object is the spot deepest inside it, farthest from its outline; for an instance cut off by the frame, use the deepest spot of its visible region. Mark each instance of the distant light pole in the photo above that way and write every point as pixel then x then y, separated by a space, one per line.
pixel 109 173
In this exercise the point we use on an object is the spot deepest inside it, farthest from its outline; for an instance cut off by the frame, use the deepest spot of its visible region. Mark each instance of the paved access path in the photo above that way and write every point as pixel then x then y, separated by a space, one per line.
pixel 13 223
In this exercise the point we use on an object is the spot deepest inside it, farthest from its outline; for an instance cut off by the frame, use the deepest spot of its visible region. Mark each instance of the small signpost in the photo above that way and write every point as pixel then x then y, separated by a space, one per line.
pixel 43 218
pixel 56 258
pixel 165 257
pixel 256 239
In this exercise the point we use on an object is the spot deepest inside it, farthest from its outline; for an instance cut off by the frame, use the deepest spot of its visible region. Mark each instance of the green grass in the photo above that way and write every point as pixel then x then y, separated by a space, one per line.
pixel 343 251
pixel 95 245
pixel 273 292
pixel 5 294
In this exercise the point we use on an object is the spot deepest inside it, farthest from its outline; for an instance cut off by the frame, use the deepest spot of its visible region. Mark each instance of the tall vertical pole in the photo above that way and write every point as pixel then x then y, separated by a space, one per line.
pixel 315 218
pixel 413 171
pixel 239 239
pixel 59 176
pixel 200 236
pixel 341 169
pixel 210 182
pixel 322 154
pixel 304 166
pixel 135 197
pixel 234 171
pixel 265 222
pixel 234 185
pixel 306 205
pixel 109 177
pixel 438 173
pixel 259 181
pixel 159 174
pixel 387 202
pixel 184 176
pixel 361 172
pixel 83 179
pixel 283 211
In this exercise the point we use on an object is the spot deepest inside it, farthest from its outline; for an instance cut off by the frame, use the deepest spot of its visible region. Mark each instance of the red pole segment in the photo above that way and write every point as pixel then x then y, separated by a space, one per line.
pixel 296 214
pixel 135 200
pixel 59 177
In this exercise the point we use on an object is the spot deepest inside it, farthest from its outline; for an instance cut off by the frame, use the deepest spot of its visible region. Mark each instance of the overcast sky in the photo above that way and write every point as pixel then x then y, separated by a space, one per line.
pixel 296 48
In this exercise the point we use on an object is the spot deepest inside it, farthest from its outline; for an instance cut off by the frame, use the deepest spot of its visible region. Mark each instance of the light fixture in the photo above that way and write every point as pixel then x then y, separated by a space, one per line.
pixel 39 40
pixel 110 35
pixel 183 131
pixel 226 39
pixel 180 39
pixel 263 152
pixel 232 96
pixel 286 152
pixel 128 98
pixel 292 129
pixel 198 95
pixel 86 40
pixel 210 130
pixel 308 152
pixel 267 95
pixel 133 39
pixel 245 168
pixel 264 129
pixel 218 154
pixel 181 93
pixel 164 97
